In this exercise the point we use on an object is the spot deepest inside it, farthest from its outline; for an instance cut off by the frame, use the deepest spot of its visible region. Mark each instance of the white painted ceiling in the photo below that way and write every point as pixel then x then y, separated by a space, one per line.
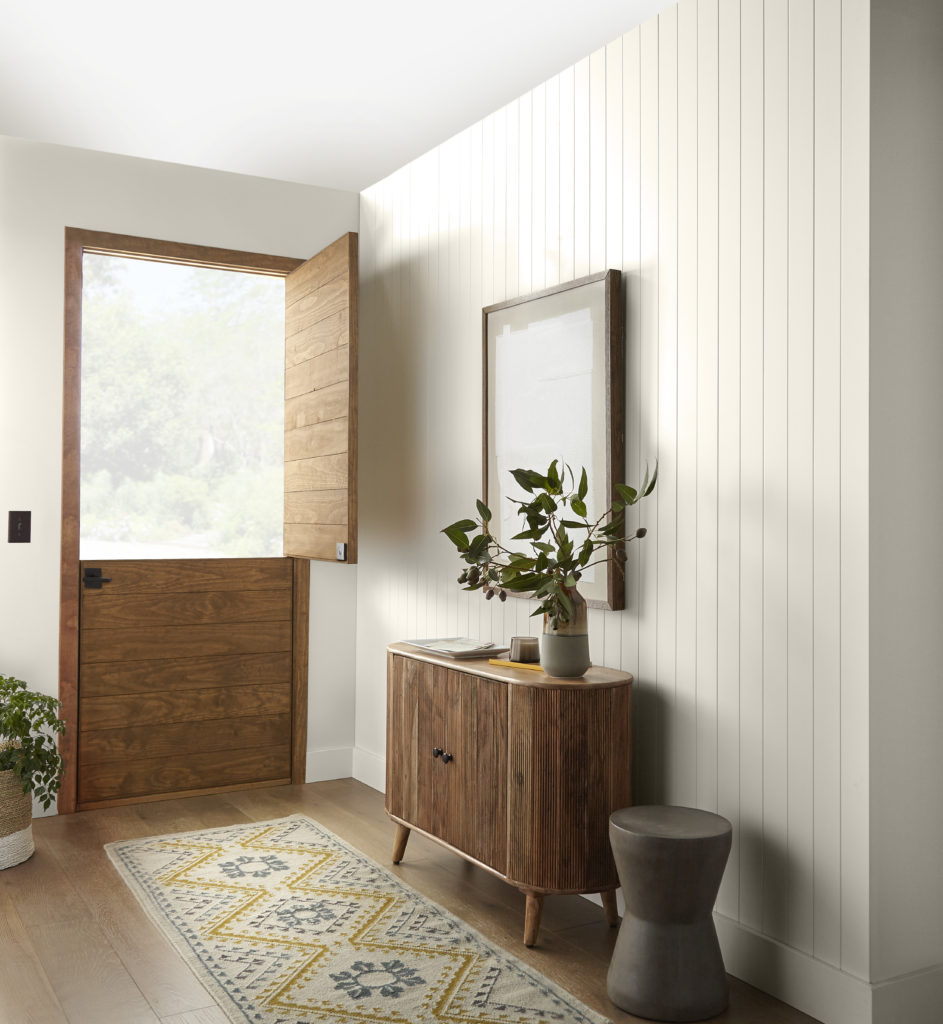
pixel 334 94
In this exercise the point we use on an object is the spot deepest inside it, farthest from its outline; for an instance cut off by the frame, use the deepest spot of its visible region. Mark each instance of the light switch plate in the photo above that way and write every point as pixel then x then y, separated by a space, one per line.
pixel 18 530
pixel 341 552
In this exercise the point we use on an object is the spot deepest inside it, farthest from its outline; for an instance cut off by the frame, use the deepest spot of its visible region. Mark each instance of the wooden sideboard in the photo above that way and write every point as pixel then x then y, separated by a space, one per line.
pixel 514 770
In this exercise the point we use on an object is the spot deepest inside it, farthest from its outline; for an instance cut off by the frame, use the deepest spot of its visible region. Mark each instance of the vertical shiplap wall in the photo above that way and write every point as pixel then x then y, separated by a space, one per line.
pixel 906 546
pixel 718 155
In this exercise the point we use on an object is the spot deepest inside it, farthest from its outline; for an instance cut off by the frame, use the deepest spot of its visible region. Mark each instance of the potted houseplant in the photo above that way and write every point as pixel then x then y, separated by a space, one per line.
pixel 30 764
pixel 563 544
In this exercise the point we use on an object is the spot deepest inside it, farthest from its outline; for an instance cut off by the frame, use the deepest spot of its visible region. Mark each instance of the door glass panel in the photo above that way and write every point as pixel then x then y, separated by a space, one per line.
pixel 182 410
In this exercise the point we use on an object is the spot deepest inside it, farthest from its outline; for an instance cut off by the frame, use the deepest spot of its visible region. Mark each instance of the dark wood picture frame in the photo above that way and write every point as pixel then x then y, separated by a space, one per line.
pixel 601 295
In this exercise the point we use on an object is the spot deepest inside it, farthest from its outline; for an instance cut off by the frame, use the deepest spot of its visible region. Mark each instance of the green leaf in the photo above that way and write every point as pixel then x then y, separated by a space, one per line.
pixel 466 525
pixel 547 504
pixel 529 479
pixel 583 488
pixel 483 510
pixel 578 507
pixel 479 546
pixel 650 486
pixel 628 494
pixel 522 584
pixel 553 477
pixel 457 537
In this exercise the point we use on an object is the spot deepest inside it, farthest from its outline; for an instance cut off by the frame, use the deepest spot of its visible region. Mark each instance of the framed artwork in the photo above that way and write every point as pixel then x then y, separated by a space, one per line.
pixel 554 389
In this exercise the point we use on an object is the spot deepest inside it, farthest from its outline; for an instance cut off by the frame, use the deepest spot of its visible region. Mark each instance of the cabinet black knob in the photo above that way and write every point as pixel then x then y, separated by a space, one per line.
pixel 436 751
pixel 446 758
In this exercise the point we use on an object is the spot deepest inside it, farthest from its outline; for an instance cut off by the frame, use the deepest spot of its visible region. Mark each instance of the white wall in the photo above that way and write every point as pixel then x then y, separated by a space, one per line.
pixel 43 189
pixel 906 496
pixel 719 156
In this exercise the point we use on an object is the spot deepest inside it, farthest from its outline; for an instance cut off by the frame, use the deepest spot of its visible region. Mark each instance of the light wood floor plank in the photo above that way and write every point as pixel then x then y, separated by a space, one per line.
pixel 26 995
pixel 42 892
pixel 115 965
pixel 198 812
pixel 208 1015
pixel 168 985
pixel 87 975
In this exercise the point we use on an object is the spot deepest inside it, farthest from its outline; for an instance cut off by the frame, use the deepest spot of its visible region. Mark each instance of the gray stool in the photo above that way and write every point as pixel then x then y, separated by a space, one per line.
pixel 667 963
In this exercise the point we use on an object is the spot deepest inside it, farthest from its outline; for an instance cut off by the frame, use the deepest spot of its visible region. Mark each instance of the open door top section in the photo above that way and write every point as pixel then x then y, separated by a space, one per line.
pixel 321 405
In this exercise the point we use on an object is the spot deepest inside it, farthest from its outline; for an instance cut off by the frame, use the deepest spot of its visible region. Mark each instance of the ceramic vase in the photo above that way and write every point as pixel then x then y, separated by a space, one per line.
pixel 564 648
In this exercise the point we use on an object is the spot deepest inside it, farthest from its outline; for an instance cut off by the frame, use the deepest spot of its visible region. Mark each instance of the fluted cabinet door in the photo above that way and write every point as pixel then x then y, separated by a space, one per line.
pixel 570 757
pixel 459 794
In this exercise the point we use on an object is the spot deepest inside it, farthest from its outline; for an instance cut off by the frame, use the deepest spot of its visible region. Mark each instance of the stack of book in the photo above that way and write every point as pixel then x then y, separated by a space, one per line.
pixel 459 647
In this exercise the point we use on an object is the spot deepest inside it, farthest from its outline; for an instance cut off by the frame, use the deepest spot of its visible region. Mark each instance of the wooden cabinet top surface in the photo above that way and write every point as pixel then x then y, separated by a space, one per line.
pixel 595 678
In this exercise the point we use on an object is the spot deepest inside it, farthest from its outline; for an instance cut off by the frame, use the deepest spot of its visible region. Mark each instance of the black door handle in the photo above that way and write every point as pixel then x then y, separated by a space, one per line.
pixel 93 579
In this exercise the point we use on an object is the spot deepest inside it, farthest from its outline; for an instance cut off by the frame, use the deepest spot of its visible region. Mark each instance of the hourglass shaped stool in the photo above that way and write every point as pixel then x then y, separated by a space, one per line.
pixel 667 964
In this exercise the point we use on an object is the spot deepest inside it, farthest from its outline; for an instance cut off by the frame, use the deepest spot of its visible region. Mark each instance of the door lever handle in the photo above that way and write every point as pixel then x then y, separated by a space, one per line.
pixel 93 579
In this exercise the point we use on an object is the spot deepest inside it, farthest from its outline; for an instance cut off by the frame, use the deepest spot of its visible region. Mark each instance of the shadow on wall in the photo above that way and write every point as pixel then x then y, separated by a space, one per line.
pixel 650 746
pixel 390 390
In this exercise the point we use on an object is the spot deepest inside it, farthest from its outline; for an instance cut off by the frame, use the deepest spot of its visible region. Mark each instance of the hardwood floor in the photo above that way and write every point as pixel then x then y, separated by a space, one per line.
pixel 77 947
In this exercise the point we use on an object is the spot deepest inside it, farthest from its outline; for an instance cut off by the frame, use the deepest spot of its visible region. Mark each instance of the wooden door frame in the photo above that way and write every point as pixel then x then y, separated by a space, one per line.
pixel 78 241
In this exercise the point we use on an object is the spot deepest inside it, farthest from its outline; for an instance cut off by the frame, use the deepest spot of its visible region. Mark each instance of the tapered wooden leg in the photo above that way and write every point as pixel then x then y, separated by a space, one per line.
pixel 399 843
pixel 611 907
pixel 535 904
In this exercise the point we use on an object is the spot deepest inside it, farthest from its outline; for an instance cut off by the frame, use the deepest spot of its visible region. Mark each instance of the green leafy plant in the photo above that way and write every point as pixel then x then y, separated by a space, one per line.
pixel 29 724
pixel 565 542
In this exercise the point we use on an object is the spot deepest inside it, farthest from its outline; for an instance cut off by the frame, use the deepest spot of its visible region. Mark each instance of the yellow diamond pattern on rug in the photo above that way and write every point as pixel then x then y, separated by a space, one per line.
pixel 285 923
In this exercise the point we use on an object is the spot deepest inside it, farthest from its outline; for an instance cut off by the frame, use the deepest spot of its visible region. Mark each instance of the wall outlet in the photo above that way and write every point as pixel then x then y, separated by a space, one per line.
pixel 18 530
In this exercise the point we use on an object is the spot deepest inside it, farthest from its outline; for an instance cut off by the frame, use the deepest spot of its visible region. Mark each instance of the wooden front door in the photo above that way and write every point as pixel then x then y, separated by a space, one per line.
pixel 186 670
pixel 187 676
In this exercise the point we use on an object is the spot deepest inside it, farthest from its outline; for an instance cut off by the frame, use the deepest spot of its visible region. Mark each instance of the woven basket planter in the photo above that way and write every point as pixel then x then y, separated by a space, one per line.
pixel 16 821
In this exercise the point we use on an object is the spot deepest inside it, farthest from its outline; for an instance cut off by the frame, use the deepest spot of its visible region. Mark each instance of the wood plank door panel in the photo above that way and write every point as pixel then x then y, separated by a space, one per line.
pixel 185 678
pixel 321 404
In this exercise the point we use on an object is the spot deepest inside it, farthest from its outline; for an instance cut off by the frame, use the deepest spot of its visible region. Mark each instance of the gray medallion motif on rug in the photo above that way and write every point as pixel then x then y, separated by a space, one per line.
pixel 285 923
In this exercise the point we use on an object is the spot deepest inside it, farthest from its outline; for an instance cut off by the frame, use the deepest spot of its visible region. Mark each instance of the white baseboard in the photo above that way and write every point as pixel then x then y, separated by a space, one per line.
pixel 321 765
pixel 816 988
pixel 370 769
pixel 915 998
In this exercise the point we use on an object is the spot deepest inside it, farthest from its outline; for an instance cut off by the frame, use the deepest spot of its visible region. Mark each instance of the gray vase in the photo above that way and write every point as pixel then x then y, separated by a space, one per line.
pixel 565 657
pixel 564 648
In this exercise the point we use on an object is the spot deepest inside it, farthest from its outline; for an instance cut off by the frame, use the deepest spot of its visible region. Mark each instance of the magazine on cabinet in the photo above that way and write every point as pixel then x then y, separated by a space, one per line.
pixel 459 647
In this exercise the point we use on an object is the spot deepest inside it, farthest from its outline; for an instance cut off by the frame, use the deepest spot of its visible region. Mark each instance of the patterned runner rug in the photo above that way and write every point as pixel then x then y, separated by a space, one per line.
pixel 284 923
